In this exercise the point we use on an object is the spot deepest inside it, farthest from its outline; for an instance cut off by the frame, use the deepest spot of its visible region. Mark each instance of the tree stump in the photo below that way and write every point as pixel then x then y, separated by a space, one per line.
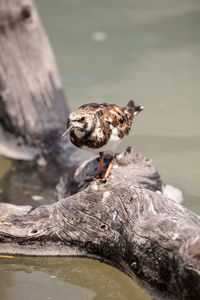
pixel 32 104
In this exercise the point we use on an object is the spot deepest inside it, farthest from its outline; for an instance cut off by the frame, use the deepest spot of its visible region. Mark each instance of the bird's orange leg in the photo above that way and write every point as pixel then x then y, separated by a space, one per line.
pixel 101 164
pixel 101 174
pixel 109 168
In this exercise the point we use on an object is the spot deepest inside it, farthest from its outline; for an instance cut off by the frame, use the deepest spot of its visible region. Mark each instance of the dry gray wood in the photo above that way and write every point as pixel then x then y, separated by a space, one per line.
pixel 33 108
pixel 146 235
pixel 125 220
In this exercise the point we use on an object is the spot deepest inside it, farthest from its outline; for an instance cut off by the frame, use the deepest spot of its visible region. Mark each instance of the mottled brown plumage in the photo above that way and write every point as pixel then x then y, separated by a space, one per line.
pixel 100 127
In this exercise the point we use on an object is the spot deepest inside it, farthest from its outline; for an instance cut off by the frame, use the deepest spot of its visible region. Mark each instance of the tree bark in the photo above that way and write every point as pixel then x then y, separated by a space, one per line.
pixel 32 102
pixel 124 220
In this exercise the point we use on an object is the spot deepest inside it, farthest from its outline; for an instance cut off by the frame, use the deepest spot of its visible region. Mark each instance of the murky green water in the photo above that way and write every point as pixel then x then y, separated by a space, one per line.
pixel 64 279
pixel 113 50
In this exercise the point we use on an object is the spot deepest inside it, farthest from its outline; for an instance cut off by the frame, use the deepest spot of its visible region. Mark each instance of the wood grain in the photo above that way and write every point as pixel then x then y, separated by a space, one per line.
pixel 151 238
pixel 124 221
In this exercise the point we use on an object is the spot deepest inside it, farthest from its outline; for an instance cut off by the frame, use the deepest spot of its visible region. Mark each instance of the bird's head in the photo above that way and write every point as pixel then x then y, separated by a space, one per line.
pixel 80 123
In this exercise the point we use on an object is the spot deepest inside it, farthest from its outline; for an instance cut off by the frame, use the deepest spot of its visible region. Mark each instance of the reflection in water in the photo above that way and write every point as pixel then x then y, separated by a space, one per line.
pixel 5 166
pixel 113 51
pixel 6 281
pixel 28 286
pixel 65 278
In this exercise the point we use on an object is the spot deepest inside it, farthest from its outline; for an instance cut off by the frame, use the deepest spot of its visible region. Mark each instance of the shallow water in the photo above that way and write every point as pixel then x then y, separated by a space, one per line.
pixel 64 279
pixel 112 51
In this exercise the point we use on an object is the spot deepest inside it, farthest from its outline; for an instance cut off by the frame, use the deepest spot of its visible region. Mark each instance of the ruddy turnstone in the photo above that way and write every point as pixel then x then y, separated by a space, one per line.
pixel 101 127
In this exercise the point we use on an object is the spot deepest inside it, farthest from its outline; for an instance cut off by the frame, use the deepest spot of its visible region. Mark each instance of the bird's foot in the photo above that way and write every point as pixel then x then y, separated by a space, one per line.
pixel 97 177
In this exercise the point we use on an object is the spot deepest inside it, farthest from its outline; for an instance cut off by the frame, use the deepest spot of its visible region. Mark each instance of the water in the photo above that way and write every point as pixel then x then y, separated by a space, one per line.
pixel 112 51
pixel 148 52
pixel 64 279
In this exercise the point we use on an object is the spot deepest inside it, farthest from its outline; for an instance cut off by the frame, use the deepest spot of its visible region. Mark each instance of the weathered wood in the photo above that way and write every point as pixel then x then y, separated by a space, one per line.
pixel 146 235
pixel 33 109
pixel 125 220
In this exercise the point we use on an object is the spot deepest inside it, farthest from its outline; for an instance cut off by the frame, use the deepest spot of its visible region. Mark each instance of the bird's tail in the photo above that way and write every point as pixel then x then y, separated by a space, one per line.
pixel 132 109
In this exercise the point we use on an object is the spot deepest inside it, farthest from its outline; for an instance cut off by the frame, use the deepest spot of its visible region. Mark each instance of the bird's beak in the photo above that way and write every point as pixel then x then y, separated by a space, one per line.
pixel 66 132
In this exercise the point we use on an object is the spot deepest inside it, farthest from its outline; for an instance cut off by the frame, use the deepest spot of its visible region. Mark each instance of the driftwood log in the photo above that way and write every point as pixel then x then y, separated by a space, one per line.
pixel 125 220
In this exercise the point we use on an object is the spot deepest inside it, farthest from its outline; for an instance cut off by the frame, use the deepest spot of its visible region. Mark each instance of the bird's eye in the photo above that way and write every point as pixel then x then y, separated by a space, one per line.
pixel 82 119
